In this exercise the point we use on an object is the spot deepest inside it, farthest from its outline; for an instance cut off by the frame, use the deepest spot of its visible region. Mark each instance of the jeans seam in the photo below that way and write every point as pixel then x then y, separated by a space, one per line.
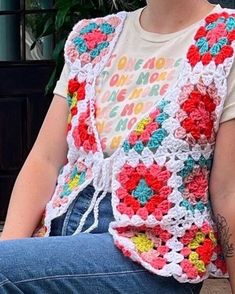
pixel 78 276
pixel 67 217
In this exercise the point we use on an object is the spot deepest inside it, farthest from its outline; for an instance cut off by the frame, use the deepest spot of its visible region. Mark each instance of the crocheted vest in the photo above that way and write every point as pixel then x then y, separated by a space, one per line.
pixel 159 175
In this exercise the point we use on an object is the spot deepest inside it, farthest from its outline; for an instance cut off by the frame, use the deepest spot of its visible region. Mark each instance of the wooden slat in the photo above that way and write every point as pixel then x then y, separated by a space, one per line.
pixel 216 286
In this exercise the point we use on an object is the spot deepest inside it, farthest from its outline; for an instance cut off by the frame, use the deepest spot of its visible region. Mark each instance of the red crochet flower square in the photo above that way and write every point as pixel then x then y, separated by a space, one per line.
pixel 144 191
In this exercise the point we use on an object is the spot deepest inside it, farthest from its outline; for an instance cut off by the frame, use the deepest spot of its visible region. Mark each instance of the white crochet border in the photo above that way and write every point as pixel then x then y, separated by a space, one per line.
pixel 89 73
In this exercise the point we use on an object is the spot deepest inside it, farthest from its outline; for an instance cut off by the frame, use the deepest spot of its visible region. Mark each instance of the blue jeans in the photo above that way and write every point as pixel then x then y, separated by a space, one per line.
pixel 83 263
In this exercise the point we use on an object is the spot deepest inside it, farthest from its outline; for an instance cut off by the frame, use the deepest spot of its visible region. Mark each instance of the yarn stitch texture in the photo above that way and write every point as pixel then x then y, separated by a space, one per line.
pixel 160 173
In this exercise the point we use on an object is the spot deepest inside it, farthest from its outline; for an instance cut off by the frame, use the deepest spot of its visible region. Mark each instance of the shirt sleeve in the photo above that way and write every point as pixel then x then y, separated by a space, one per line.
pixel 229 104
pixel 62 83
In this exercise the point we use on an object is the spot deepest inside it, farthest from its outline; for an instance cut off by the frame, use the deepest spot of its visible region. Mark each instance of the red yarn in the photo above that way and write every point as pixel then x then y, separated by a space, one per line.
pixel 69 127
pixel 205 251
pixel 199 109
pixel 224 14
pixel 193 55
pixel 74 110
pixel 231 36
pixel 73 86
pixel 212 18
pixel 206 58
pixel 200 33
pixel 91 139
pixel 81 91
pixel 132 202
pixel 227 51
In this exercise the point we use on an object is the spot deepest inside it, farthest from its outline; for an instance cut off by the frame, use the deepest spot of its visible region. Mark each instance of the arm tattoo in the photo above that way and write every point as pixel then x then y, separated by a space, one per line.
pixel 224 236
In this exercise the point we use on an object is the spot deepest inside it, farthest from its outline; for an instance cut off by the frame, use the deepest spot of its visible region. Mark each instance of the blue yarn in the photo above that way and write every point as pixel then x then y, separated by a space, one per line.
pixel 184 172
pixel 211 26
pixel 215 49
pixel 106 28
pixel 74 172
pixel 126 146
pixel 186 204
pixel 220 20
pixel 159 135
pixel 78 41
pixel 102 45
pixel 89 28
pixel 95 52
pixel 190 163
pixel 82 48
pixel 181 188
pixel 162 104
pixel 66 191
pixel 82 178
pixel 204 48
pixel 139 146
pixel 202 161
pixel 203 45
pixel 162 117
pixel 230 23
pixel 188 167
pixel 69 100
pixel 142 192
pixel 153 144
pixel 223 41
pixel 200 206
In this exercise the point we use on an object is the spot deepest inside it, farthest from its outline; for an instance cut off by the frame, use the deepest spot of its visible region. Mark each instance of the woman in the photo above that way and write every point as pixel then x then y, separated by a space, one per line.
pixel 149 137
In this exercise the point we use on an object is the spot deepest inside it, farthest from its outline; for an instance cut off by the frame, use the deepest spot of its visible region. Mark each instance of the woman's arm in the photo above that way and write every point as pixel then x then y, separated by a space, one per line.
pixel 222 191
pixel 36 181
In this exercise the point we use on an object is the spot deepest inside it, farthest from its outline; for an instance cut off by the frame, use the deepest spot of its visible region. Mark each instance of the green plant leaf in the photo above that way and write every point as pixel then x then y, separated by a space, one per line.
pixel 48 28
pixel 59 49
pixel 60 18
pixel 64 7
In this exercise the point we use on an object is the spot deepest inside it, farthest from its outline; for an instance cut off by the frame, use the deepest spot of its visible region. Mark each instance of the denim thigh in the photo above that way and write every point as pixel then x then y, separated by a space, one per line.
pixel 83 263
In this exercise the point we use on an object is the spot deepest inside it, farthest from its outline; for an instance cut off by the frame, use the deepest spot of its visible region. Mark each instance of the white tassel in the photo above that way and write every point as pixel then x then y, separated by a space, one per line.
pixel 96 213
pixel 85 215
pixel 100 184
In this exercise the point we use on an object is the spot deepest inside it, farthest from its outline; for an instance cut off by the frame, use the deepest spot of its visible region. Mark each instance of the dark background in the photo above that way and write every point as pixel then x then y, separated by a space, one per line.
pixel 23 107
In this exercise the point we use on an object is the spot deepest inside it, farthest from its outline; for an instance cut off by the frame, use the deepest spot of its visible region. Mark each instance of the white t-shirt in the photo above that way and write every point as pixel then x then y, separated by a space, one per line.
pixel 140 71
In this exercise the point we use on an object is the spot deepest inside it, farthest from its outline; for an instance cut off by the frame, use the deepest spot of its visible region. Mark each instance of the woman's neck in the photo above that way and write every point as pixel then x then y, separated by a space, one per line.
pixel 167 16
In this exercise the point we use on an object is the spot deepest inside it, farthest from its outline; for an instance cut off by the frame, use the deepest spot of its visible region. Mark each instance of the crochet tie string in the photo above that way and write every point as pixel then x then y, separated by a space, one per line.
pixel 101 182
